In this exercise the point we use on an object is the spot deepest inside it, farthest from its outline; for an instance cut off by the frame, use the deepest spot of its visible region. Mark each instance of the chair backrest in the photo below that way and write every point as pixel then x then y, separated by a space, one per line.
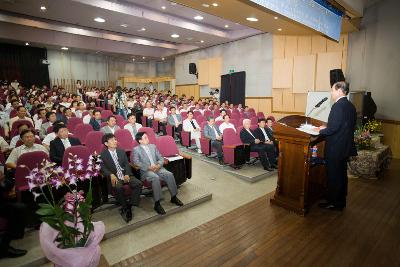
pixel 239 129
pixel 93 141
pixel 271 117
pixel 49 129
pixel 196 113
pixel 218 123
pixel 254 120
pixel 150 134
pixel 252 110
pixel 81 131
pixel 200 119
pixel 166 145
pixel 235 116
pixel 20 142
pixel 16 124
pixel 81 151
pixel 105 114
pixel 13 113
pixel 84 113
pixel 125 139
pixel 31 160
pixel 207 113
pixel 260 115
pixel 119 118
pixel 72 123
pixel 253 127
pixel 121 124
pixel 230 137
pixel 234 122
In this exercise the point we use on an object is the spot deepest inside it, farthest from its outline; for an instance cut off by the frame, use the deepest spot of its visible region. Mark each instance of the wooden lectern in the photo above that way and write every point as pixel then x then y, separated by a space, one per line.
pixel 300 182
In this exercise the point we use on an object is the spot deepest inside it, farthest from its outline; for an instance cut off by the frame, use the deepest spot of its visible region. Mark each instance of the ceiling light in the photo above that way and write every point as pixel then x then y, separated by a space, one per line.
pixel 163 7
pixel 201 41
pixel 253 19
pixel 205 5
pixel 189 38
pixel 143 57
pixel 280 29
pixel 173 4
pixel 98 19
pixel 215 4
pixel 26 43
pixel 43 8
pixel 162 58
pixel 175 35
pixel 275 17
pixel 198 17
pixel 64 48
pixel 124 25
pixel 226 26
pixel 142 29
pixel 133 59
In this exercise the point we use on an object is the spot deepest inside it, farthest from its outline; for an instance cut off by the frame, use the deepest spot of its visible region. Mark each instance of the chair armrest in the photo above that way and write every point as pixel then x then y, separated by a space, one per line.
pixel 185 156
pixel 134 166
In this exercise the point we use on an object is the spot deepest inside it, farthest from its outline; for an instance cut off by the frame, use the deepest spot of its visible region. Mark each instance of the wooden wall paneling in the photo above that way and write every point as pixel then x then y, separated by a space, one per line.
pixel 300 102
pixel 288 100
pixel 344 61
pixel 282 73
pixel 290 46
pixel 325 63
pixel 196 92
pixel 318 44
pixel 265 105
pixel 278 46
pixel 304 45
pixel 214 74
pixel 304 73
pixel 333 46
pixel 277 99
pixel 391 133
pixel 344 41
pixel 203 70
pixel 252 103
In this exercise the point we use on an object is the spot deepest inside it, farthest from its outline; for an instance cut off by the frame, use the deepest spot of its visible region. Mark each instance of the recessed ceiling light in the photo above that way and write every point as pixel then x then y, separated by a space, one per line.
pixel 143 57
pixel 43 8
pixel 189 38
pixel 173 4
pixel 133 59
pixel 163 7
pixel 124 25
pixel 175 35
pixel 253 19
pixel 201 41
pixel 26 43
pixel 142 29
pixel 280 29
pixel 162 58
pixel 275 17
pixel 205 5
pixel 64 48
pixel 98 19
pixel 198 17
pixel 215 4
pixel 226 26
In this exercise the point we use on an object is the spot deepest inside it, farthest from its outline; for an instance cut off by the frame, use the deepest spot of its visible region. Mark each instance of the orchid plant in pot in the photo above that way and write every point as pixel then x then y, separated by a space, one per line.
pixel 68 236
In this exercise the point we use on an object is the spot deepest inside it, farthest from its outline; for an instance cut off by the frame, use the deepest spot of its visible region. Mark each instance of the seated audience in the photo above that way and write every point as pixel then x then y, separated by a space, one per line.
pixel 28 138
pixel 212 132
pixel 265 153
pixel 149 113
pixel 15 214
pixel 67 114
pixel 96 120
pixel 4 146
pixel 15 139
pixel 51 118
pixel 86 119
pixel 60 143
pixel 175 120
pixel 221 115
pixel 226 124
pixel 21 115
pixel 40 118
pixel 161 116
pixel 263 133
pixel 80 109
pixel 191 125
pixel 115 167
pixel 111 126
pixel 150 162
pixel 132 125
pixel 51 136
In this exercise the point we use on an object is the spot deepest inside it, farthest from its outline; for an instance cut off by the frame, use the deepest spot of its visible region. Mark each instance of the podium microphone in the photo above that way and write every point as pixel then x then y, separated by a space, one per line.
pixel 316 106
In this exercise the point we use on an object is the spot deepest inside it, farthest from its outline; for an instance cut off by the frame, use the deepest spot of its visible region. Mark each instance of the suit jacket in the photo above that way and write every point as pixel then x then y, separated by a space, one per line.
pixel 106 129
pixel 96 126
pixel 57 149
pixel 171 120
pixel 246 137
pixel 260 135
pixel 141 159
pixel 340 130
pixel 108 166
pixel 209 132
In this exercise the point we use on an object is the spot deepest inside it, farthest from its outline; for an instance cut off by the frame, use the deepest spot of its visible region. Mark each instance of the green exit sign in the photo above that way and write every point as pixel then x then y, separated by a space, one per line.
pixel 231 71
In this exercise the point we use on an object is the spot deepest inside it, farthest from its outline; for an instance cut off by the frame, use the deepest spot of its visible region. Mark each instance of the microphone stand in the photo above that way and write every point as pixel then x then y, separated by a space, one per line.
pixel 308 114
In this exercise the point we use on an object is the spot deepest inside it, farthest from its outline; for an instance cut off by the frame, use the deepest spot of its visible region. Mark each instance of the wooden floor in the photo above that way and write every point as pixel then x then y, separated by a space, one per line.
pixel 366 233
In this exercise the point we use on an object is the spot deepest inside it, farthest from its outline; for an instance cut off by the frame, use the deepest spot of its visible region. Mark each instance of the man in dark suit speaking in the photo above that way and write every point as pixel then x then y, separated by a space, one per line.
pixel 339 145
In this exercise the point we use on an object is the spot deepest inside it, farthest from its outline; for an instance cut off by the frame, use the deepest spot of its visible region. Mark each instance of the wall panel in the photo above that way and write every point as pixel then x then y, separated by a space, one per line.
pixel 278 43
pixel 214 72
pixel 203 70
pixel 304 45
pixel 304 73
pixel 325 63
pixel 318 44
pixel 288 100
pixel 290 46
pixel 300 103
pixel 277 99
pixel 282 73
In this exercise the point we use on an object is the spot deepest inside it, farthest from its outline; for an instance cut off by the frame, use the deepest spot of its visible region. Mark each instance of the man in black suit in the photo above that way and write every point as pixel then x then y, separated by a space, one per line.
pixel 115 167
pixel 60 143
pixel 339 145
pixel 96 120
pixel 264 132
pixel 266 153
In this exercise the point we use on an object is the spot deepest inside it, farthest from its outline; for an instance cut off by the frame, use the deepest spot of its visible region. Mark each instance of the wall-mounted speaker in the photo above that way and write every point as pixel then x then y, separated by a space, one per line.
pixel 192 68
pixel 336 75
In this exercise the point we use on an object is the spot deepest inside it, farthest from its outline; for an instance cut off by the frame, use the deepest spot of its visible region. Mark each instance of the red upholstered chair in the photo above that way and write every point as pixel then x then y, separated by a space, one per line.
pixel 13 113
pixel 2 133
pixel 216 113
pixel 37 141
pixel 150 134
pixel 119 118
pixel 234 122
pixel 144 121
pixel 260 115
pixel 218 123
pixel 205 142
pixel 31 160
pixel 101 108
pixel 252 110
pixel 272 118
pixel 72 123
pixel 16 124
pixel 81 151
pixel 170 130
pixel 81 131
pixel 200 119
pixel 122 124
pixel 84 113
pixel 196 113
pixel 235 116
pixel 192 108
pixel 184 115
pixel 233 149
pixel 103 124
pixel 254 120
pixel 155 126
pixel 125 140
pixel 49 129
pixel 105 114
pixel 207 113
pixel 253 127
pixel 93 141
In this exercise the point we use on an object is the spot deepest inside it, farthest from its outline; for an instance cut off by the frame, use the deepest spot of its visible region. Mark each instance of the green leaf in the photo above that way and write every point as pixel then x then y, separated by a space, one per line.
pixel 45 211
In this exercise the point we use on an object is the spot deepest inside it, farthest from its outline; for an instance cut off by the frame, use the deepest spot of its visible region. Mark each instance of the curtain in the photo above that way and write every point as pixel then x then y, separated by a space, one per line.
pixel 23 63
pixel 233 88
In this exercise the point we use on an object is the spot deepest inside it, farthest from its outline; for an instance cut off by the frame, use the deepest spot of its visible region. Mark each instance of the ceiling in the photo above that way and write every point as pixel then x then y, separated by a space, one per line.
pixel 137 27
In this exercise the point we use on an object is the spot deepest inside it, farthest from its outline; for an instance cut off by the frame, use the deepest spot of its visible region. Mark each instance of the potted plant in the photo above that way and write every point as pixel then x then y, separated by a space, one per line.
pixel 68 237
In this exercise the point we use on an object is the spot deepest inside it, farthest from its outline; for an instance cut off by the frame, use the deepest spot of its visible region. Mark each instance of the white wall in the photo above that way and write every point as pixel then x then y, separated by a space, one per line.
pixel 253 55
pixel 374 57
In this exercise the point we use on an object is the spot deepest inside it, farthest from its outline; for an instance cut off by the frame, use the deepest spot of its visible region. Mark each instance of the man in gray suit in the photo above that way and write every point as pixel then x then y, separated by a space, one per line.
pixel 147 157
pixel 51 118
pixel 111 126
pixel 212 132
pixel 175 120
